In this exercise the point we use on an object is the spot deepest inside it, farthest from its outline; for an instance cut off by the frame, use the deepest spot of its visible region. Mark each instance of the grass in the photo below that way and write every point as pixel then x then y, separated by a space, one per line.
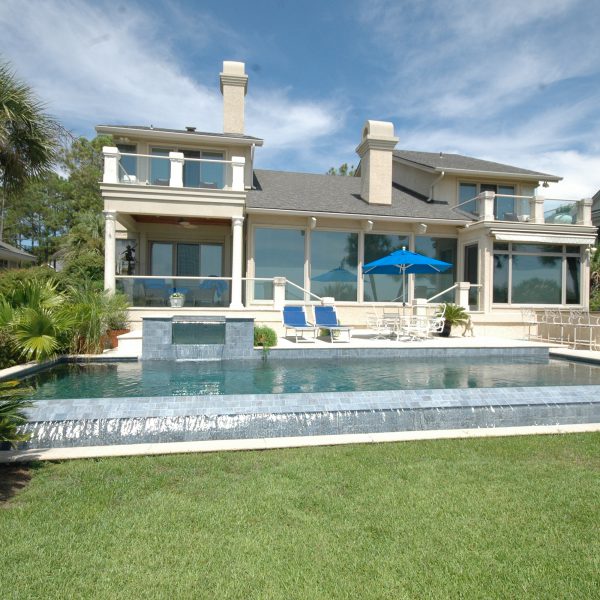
pixel 486 518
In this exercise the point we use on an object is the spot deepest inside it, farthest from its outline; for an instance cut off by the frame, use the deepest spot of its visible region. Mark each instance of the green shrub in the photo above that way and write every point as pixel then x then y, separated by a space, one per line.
pixel 264 336
pixel 13 401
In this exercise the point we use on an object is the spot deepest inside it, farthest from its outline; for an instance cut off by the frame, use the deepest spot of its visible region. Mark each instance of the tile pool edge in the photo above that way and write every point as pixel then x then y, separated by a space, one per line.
pixel 80 423
pixel 80 452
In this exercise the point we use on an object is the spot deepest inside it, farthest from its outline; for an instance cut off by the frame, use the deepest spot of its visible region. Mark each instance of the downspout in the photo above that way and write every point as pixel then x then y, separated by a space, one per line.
pixel 430 199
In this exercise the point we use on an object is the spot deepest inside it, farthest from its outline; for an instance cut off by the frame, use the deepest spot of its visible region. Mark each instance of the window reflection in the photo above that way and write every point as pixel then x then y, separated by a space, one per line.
pixel 278 253
pixel 444 249
pixel 382 288
pixel 333 264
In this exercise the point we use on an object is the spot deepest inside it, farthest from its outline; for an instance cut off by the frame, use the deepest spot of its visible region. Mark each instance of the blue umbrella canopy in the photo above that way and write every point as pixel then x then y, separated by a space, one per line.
pixel 403 262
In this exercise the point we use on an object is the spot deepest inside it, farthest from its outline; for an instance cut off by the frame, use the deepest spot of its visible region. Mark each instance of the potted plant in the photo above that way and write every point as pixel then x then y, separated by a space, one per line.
pixel 176 299
pixel 453 315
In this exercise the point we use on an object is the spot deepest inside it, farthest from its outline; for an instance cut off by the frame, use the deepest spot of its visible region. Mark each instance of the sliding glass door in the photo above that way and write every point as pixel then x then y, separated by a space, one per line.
pixel 175 259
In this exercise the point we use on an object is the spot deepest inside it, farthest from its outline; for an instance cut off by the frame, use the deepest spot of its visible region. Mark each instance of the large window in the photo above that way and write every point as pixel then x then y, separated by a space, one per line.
pixel 278 253
pixel 441 248
pixel 536 274
pixel 382 288
pixel 334 259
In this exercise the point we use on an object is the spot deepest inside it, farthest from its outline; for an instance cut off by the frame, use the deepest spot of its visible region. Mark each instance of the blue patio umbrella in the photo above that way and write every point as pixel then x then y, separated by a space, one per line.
pixel 403 262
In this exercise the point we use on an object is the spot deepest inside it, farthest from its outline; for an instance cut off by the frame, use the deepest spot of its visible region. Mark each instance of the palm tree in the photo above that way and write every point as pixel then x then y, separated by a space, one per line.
pixel 29 138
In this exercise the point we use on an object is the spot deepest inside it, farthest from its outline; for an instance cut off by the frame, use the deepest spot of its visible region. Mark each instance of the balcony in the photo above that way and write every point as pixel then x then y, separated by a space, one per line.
pixel 489 206
pixel 174 170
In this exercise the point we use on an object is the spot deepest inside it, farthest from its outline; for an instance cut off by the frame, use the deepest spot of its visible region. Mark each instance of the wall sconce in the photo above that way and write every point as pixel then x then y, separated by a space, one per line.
pixel 312 222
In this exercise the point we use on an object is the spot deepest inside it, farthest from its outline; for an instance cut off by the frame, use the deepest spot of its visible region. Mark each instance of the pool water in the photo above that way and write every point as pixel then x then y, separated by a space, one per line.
pixel 161 378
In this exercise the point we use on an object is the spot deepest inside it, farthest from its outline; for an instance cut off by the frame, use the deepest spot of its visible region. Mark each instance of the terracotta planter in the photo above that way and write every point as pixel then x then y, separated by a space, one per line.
pixel 112 335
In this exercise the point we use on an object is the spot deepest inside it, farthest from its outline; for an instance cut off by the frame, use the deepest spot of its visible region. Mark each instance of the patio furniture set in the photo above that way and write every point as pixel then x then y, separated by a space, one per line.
pixel 387 325
pixel 571 327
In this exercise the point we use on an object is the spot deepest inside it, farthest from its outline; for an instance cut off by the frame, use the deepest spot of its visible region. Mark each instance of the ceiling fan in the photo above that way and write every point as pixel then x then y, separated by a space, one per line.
pixel 186 224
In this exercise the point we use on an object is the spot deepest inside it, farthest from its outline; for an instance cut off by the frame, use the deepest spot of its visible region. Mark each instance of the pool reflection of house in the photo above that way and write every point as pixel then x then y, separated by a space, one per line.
pixel 187 212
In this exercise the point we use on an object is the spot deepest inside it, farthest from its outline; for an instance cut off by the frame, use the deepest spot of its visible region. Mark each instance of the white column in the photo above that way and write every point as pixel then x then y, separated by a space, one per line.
pixel 237 224
pixel 584 211
pixel 487 198
pixel 237 173
pixel 111 164
pixel 462 294
pixel 538 209
pixel 278 292
pixel 176 179
pixel 110 250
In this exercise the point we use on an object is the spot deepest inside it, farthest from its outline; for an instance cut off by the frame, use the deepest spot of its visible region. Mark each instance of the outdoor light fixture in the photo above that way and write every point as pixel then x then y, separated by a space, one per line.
pixel 368 225
pixel 421 228
pixel 312 222
pixel 545 184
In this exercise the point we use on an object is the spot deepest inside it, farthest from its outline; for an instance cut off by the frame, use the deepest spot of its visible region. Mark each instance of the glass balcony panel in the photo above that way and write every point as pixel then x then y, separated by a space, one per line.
pixel 209 172
pixel 175 291
pixel 563 212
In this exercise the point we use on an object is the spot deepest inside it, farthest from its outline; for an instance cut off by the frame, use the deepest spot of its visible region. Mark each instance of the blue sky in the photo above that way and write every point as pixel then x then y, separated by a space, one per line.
pixel 508 80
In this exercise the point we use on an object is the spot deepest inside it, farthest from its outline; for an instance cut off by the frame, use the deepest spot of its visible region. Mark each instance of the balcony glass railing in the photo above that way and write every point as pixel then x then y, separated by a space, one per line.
pixel 156 169
pixel 562 212
pixel 512 208
pixel 175 291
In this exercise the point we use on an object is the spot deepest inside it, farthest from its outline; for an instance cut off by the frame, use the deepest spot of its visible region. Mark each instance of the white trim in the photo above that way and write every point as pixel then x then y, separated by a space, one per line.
pixel 547 238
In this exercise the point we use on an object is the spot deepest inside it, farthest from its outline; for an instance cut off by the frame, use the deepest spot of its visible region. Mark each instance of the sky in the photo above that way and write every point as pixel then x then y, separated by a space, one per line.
pixel 514 81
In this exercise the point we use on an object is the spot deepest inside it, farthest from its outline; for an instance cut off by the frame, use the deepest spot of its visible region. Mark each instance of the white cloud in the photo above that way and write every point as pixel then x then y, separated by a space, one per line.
pixel 498 80
pixel 108 63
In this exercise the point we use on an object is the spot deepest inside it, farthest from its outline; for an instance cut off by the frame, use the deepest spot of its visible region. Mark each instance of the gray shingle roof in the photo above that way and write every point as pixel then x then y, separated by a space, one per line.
pixel 440 161
pixel 165 130
pixel 15 252
pixel 281 190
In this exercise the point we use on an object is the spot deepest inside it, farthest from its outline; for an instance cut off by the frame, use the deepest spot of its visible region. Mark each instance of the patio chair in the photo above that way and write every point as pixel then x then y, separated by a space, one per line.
pixel 377 323
pixel 294 319
pixel 415 328
pixel 326 318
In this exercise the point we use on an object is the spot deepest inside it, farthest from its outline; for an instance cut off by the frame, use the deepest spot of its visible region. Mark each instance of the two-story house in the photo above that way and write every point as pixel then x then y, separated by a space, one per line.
pixel 190 221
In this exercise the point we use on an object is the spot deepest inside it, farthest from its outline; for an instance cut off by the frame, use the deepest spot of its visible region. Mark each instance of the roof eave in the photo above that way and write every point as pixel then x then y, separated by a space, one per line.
pixel 355 216
pixel 500 174
pixel 158 135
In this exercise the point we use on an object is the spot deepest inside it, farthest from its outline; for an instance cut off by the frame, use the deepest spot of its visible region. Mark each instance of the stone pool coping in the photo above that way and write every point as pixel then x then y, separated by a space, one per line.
pixel 80 452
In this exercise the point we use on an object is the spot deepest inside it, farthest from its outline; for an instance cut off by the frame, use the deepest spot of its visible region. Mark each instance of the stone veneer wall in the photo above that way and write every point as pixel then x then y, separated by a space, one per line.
pixel 157 340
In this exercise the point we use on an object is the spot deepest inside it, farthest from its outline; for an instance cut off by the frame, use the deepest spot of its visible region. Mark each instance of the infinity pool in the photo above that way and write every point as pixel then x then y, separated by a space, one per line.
pixel 117 380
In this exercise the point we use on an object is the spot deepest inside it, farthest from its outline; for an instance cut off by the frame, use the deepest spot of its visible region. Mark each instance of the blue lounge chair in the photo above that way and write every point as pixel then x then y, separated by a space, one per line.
pixel 326 317
pixel 294 318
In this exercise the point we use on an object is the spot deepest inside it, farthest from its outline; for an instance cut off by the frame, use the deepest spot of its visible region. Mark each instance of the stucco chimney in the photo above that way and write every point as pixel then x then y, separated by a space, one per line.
pixel 375 151
pixel 234 84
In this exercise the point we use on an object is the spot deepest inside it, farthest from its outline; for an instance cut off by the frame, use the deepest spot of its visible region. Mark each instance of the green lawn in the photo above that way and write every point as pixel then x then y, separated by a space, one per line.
pixel 482 518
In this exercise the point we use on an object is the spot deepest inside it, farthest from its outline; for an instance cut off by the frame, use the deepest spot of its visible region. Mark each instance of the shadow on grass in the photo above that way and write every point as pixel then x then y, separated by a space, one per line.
pixel 14 477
